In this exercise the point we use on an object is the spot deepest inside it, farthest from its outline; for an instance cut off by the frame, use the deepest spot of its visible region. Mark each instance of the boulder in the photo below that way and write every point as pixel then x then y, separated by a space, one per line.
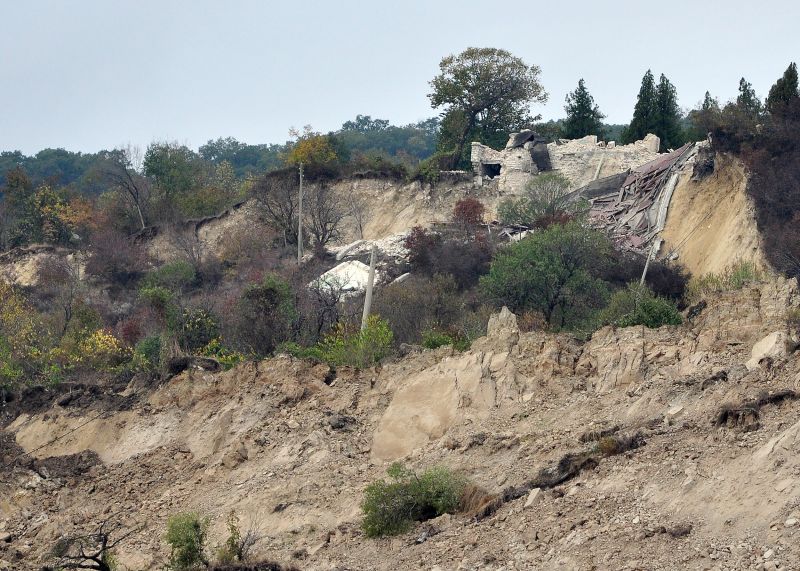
pixel 776 345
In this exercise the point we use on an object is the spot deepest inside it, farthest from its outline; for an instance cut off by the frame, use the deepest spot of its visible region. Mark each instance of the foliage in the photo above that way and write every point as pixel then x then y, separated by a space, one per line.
pixel 186 535
pixel 312 149
pixel 733 277
pixel 101 351
pixel 358 348
pixel 148 352
pixel 583 115
pixel 433 339
pixel 230 550
pixel 554 271
pixel 465 258
pixel 636 305
pixel 264 314
pixel 391 507
pixel 20 337
pixel 656 112
pixel 485 93
pixel 228 358
pixel 174 276
pixel 115 257
pixel 784 90
pixel 468 212
pixel 198 329
pixel 545 197
pixel 429 170
pixel 747 100
pixel 367 136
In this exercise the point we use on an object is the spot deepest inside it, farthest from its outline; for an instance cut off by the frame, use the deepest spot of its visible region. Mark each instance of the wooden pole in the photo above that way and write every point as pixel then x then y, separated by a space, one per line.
pixel 370 284
pixel 300 219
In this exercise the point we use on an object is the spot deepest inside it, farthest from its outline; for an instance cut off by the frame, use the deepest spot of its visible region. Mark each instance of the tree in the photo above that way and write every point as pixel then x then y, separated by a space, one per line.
pixel 325 210
pixel 121 170
pixel 313 150
pixel 703 118
pixel 747 100
pixel 784 90
pixel 92 550
pixel 486 94
pixel 583 115
pixel 668 115
pixel 276 193
pixel 644 113
pixel 554 271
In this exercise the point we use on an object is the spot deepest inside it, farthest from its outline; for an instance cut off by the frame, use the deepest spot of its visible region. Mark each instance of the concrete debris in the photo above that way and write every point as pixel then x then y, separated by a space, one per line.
pixel 348 278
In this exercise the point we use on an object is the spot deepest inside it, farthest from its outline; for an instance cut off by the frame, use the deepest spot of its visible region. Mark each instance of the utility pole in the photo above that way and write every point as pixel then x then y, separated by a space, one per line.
pixel 370 283
pixel 300 220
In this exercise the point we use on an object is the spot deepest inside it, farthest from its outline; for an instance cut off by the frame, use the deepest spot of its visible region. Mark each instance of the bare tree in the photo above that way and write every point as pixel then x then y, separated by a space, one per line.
pixel 60 280
pixel 277 193
pixel 325 213
pixel 89 551
pixel 122 169
pixel 358 210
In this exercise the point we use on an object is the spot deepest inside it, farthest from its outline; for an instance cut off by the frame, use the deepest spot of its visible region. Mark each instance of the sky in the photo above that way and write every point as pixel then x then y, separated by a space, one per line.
pixel 86 75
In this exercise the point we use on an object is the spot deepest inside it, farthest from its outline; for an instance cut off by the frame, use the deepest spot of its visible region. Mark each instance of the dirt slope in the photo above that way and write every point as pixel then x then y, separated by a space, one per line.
pixel 711 223
pixel 292 454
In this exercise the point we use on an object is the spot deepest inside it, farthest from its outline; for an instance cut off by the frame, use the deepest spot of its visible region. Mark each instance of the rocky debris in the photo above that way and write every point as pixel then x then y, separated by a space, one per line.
pixel 518 411
pixel 776 345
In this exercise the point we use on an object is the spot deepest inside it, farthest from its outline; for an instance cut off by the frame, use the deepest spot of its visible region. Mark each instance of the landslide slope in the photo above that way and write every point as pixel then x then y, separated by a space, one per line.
pixel 291 449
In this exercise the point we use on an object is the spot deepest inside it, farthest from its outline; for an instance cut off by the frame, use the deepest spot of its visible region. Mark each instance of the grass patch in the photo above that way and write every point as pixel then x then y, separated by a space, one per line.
pixel 733 277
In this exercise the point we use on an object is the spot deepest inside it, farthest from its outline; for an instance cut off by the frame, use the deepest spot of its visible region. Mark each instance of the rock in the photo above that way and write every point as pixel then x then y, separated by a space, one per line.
pixel 672 414
pixel 791 522
pixel 503 327
pixel 534 496
pixel 768 554
pixel 292 424
pixel 776 345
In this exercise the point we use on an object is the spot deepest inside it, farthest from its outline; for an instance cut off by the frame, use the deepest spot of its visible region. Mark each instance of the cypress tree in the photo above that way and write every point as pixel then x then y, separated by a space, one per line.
pixel 644 112
pixel 784 90
pixel 667 115
pixel 583 115
pixel 747 100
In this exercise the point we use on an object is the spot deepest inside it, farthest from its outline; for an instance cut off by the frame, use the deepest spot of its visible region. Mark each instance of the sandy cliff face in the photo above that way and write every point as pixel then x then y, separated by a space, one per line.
pixel 291 449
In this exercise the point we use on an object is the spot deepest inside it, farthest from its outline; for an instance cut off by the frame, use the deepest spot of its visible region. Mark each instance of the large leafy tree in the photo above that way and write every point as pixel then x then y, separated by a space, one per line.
pixel 784 90
pixel 486 94
pixel 583 115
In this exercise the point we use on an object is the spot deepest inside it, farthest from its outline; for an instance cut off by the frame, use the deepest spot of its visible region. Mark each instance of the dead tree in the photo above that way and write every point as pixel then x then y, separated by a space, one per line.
pixel 326 211
pixel 89 551
pixel 277 195
pixel 120 169
pixel 358 210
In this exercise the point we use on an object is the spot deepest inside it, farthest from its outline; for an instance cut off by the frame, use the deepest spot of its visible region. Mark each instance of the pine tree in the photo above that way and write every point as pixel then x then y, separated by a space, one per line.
pixel 784 90
pixel 710 103
pixel 667 115
pixel 747 100
pixel 583 115
pixel 644 112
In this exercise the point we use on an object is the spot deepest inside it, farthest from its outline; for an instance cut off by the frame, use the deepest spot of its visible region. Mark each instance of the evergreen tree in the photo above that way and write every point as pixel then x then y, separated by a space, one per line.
pixel 710 103
pixel 644 112
pixel 784 90
pixel 701 119
pixel 667 115
pixel 747 100
pixel 583 116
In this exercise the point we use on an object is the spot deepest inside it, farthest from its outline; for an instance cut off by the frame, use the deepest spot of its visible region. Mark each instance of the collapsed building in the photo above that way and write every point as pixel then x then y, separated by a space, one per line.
pixel 580 160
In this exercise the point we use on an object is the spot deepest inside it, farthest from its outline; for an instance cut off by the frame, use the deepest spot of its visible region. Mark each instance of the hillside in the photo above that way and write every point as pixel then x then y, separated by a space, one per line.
pixel 291 451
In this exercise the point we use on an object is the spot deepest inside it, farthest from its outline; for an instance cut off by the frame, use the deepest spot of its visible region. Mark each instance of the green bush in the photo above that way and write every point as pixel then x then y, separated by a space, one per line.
pixel 174 276
pixel 362 349
pixel 636 305
pixel 545 197
pixel 198 328
pixel 433 339
pixel 733 277
pixel 148 352
pixel 391 507
pixel 186 535
pixel 264 315
pixel 555 271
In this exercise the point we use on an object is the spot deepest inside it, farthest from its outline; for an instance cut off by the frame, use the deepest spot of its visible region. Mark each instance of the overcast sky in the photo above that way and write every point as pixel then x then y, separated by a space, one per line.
pixel 87 75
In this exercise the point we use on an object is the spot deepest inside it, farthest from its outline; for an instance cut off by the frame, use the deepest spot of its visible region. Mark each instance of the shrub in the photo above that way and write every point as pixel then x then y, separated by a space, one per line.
pixel 468 212
pixel 228 358
pixel 348 346
pixel 102 351
pixel 554 271
pixel 115 257
pixel 186 535
pixel 148 352
pixel 198 328
pixel 263 315
pixel 466 259
pixel 733 277
pixel 173 276
pixel 391 507
pixel 636 305
pixel 544 202
pixel 433 339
